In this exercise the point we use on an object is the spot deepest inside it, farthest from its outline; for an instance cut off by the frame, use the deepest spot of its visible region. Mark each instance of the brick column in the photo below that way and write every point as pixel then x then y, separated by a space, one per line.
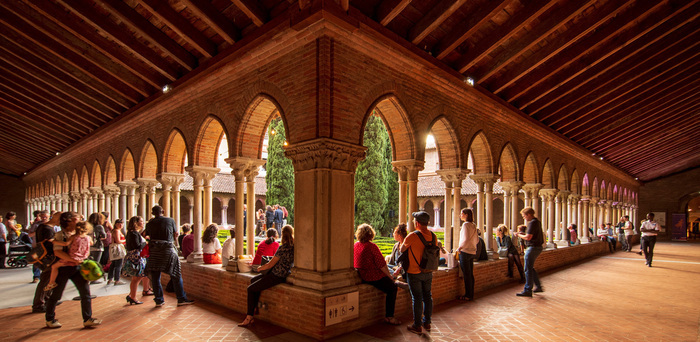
pixel 242 168
pixel 324 202
pixel 199 175
pixel 408 169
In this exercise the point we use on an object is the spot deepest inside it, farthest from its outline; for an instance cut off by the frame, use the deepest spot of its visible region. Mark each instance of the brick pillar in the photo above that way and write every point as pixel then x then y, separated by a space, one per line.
pixel 324 202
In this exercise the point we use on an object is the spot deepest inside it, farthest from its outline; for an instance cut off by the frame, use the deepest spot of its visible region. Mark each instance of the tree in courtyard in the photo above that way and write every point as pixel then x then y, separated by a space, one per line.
pixel 391 210
pixel 280 171
pixel 371 176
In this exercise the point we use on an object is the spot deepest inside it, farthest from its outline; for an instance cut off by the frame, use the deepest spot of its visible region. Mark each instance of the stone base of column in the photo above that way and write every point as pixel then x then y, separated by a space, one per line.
pixel 324 281
pixel 493 255
pixel 585 240
pixel 197 258
pixel 551 245
pixel 562 243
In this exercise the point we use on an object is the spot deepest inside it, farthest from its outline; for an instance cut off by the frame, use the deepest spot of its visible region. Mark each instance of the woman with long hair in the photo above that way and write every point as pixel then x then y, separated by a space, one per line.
pixel 211 246
pixel 134 263
pixel 267 247
pixel 115 269
pixel 280 266
pixel 468 239
pixel 505 242
pixel 400 233
pixel 98 236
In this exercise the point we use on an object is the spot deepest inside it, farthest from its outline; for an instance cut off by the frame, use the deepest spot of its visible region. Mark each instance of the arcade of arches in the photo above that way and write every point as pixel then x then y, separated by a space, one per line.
pixel 324 83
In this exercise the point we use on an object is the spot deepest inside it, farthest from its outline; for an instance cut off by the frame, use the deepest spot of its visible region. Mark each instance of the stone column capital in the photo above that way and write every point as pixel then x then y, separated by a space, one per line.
pixel 95 190
pixel 110 190
pixel 170 180
pixel 146 184
pixel 574 197
pixel 564 194
pixel 243 167
pixel 74 195
pixel 512 186
pixel 324 153
pixel 202 173
pixel 549 194
pixel 453 175
pixel 485 181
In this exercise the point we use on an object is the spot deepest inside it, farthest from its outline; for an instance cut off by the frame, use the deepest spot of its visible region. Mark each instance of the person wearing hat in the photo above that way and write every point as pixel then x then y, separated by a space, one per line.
pixel 419 283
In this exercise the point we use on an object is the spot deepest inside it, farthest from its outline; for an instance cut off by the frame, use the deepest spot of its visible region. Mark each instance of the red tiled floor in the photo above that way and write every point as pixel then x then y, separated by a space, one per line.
pixel 611 298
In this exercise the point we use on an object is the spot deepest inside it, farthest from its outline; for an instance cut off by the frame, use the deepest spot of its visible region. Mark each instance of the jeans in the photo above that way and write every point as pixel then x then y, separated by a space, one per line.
pixel 39 294
pixel 96 255
pixel 83 286
pixel 158 288
pixel 623 241
pixel 466 263
pixel 629 242
pixel 387 286
pixel 648 243
pixel 531 254
pixel 115 270
pixel 420 286
pixel 36 272
pixel 257 285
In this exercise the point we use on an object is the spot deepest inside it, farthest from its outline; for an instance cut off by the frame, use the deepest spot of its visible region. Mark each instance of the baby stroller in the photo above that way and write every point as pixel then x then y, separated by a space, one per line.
pixel 18 251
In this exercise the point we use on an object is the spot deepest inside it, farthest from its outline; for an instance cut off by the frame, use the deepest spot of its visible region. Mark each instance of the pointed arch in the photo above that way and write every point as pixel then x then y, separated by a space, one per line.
pixel 603 190
pixel 84 178
pixel 401 133
pixel 75 181
pixel 447 143
pixel 127 168
pixel 585 186
pixel 481 151
pixel 59 185
pixel 66 184
pixel 251 133
pixel 148 161
pixel 575 183
pixel 175 153
pixel 595 191
pixel 110 173
pixel 96 179
pixel 49 186
pixel 206 147
pixel 548 176
pixel 530 173
pixel 563 178
pixel 615 193
pixel 508 164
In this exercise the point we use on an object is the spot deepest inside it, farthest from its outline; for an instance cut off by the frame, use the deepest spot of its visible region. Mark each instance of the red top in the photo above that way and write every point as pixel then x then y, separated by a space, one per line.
pixel 265 249
pixel 369 261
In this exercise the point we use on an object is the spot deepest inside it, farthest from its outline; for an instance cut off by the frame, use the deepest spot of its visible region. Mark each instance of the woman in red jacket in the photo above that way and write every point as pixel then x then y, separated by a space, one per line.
pixel 266 247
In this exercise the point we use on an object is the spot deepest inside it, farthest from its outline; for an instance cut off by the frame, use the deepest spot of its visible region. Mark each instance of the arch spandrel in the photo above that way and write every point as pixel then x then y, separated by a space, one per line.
pixel 401 133
pixel 175 153
pixel 206 146
pixel 148 161
pixel 96 179
pixel 548 176
pixel 249 139
pixel 447 143
pixel 508 164
pixel 530 169
pixel 481 152
pixel 127 167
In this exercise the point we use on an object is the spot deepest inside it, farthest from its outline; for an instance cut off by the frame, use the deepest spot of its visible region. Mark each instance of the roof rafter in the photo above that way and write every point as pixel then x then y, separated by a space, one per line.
pixel 390 9
pixel 443 10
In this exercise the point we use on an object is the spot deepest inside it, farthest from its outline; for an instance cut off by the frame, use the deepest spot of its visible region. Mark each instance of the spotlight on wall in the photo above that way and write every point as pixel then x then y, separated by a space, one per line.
pixel 636 178
pixel 166 88
pixel 25 173
pixel 601 158
pixel 469 81
pixel 57 153
pixel 285 143
pixel 273 132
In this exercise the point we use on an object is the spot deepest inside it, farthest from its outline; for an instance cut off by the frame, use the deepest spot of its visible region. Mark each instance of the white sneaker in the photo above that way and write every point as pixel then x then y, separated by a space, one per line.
pixel 92 322
pixel 53 324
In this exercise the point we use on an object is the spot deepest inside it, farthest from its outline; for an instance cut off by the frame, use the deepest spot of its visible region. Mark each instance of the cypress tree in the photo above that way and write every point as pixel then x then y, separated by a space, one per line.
pixel 370 178
pixel 391 211
pixel 280 171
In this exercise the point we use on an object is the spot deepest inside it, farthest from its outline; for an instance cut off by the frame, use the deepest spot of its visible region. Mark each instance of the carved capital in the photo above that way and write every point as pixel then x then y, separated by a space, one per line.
pixel 563 194
pixel 146 184
pixel 202 174
pixel 485 181
pixel 170 181
pixel 511 187
pixel 455 176
pixel 325 153
pixel 243 167
pixel 549 194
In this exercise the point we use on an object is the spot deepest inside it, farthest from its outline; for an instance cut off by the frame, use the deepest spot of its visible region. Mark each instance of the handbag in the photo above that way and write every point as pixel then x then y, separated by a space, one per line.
pixel 265 259
pixel 146 251
pixel 117 251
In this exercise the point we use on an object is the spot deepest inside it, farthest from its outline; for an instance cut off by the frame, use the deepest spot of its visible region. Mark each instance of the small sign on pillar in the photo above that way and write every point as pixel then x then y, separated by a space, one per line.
pixel 342 308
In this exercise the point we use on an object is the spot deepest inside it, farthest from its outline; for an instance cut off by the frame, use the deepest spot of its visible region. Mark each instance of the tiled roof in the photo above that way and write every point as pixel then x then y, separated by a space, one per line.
pixel 225 183
pixel 432 185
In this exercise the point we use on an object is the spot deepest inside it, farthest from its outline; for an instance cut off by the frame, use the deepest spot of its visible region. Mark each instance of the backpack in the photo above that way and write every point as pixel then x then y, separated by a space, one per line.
pixel 431 254
pixel 91 270
pixel 40 257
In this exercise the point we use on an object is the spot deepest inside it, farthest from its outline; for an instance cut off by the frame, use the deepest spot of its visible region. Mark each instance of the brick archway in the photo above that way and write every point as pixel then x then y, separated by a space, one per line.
pixel 96 179
pixel 148 162
pixel 447 144
pixel 209 138
pixel 84 179
pixel 251 134
pixel 397 123
pixel 175 153
pixel 481 154
pixel 127 168
pixel 548 177
pixel 530 174
pixel 110 172
pixel 575 183
pixel 563 178
pixel 508 164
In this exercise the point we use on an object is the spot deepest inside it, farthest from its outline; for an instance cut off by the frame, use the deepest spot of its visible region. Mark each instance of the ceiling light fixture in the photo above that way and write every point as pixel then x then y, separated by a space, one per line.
pixel 57 153
pixel 601 158
pixel 469 81
pixel 166 88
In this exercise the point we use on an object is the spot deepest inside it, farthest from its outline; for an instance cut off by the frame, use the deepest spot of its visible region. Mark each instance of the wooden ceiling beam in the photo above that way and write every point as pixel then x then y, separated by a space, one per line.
pixel 690 161
pixel 17 82
pixel 630 152
pixel 162 10
pixel 215 19
pixel 36 121
pixel 648 93
pixel 252 10
pixel 658 152
pixel 29 139
pixel 558 18
pixel 24 149
pixel 622 30
pixel 464 30
pixel 23 34
pixel 142 61
pixel 152 34
pixel 502 34
pixel 390 9
pixel 56 79
pixel 642 58
pixel 604 97
pixel 436 16
pixel 45 110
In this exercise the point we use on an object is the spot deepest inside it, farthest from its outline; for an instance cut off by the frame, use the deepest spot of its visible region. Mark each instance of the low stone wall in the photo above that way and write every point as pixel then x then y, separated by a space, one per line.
pixel 303 310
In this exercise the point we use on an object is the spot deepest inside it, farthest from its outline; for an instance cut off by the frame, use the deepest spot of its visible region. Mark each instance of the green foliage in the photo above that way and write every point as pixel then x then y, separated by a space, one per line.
pixel 280 171
pixel 391 211
pixel 370 178
pixel 385 244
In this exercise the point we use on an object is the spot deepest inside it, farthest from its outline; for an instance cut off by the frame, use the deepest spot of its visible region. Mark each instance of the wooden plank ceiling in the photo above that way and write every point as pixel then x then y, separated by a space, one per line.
pixel 618 77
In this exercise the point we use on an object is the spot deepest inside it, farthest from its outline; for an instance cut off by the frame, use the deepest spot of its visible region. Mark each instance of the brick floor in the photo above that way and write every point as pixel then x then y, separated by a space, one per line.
pixel 610 298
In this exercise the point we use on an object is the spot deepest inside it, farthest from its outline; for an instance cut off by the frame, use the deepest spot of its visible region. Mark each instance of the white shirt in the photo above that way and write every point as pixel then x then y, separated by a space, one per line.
pixel 3 232
pixel 212 247
pixel 228 250
pixel 468 238
pixel 650 225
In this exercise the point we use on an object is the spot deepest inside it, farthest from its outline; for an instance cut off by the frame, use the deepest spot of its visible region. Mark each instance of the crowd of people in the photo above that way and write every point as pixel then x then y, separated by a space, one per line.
pixel 142 252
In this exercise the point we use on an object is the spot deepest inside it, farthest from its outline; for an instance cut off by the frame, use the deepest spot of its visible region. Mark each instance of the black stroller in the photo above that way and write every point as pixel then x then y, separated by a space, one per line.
pixel 19 250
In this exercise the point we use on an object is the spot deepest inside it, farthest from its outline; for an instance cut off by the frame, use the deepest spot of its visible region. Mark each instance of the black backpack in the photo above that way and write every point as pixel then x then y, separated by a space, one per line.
pixel 431 254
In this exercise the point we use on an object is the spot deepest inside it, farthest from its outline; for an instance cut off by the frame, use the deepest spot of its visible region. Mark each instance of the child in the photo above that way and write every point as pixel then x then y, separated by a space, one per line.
pixel 79 251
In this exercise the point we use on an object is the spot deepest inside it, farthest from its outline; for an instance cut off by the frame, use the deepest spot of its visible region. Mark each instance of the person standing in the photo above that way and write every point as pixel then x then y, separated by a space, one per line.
pixel 620 230
pixel 44 234
pixel 270 217
pixel 419 283
pixel 468 240
pixel 40 217
pixel 650 229
pixel 533 240
pixel 98 236
pixel 629 232
pixel 161 232
pixel 279 218
pixel 3 239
